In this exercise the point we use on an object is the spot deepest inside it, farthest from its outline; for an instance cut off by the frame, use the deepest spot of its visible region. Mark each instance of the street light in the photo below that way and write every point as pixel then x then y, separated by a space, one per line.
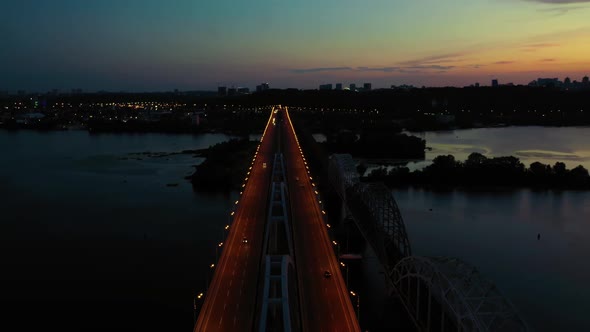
pixel 346 266
pixel 195 307
pixel 358 305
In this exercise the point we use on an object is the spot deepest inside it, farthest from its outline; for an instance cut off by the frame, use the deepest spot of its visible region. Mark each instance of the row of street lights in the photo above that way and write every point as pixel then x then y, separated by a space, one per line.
pixel 342 264
pixel 226 229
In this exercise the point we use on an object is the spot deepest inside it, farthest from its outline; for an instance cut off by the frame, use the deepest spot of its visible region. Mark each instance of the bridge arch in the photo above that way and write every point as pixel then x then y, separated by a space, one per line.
pixel 447 294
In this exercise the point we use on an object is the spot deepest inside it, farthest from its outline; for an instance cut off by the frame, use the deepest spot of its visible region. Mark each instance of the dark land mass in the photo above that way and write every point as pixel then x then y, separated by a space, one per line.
pixel 413 109
pixel 225 165
pixel 479 172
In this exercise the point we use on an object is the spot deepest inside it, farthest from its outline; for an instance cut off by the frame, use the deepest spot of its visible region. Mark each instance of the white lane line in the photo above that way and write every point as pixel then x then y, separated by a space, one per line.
pixel 220 320
pixel 231 282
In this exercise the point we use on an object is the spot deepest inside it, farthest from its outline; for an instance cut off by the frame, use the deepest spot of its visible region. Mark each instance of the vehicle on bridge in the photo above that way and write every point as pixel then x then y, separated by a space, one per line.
pixel 327 274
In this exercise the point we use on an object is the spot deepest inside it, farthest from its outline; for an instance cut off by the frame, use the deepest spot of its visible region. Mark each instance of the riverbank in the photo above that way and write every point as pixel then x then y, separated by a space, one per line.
pixel 224 166
pixel 479 171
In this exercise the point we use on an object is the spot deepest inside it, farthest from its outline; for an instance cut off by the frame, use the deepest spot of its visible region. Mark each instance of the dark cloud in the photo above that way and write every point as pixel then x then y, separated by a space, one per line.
pixel 382 69
pixel 320 69
pixel 433 67
pixel 559 1
pixel 547 60
pixel 503 62
pixel 420 68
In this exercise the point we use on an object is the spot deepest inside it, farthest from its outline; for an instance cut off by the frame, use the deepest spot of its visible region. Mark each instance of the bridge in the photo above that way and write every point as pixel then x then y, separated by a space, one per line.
pixel 278 270
pixel 439 293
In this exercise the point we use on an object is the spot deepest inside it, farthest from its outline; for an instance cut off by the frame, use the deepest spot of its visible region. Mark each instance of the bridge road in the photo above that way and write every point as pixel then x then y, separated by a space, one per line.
pixel 325 302
pixel 230 301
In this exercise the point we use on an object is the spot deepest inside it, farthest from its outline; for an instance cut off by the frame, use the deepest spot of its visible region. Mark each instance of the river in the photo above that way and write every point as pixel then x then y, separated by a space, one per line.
pixel 91 236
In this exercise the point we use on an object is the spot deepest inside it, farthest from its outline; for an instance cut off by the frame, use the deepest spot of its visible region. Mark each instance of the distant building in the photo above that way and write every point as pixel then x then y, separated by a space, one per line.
pixel 586 80
pixel 352 87
pixel 262 87
pixel 76 91
pixel 222 91
pixel 367 87
pixel 477 84
pixel 326 87
pixel 495 83
pixel 548 82
pixel 232 91
pixel 338 86
pixel 243 91
pixel 567 81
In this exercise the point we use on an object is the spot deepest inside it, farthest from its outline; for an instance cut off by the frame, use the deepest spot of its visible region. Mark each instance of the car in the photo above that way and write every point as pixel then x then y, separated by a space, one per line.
pixel 244 240
pixel 296 178
pixel 263 165
pixel 327 274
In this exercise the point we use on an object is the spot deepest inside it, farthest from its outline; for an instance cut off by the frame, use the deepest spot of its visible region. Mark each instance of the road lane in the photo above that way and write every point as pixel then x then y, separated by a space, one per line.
pixel 230 302
pixel 314 254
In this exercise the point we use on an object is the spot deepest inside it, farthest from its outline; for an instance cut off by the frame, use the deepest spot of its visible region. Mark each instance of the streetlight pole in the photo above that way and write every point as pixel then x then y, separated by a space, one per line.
pixel 358 305
pixel 346 266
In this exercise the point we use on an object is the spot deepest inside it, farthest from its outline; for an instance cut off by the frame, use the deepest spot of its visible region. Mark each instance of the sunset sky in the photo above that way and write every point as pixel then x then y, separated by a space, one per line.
pixel 148 45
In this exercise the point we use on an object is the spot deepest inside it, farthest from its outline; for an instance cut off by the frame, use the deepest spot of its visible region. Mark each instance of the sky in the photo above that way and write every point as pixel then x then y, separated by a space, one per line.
pixel 160 45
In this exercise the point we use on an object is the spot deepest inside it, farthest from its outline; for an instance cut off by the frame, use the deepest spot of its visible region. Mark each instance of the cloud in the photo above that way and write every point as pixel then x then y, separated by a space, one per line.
pixel 560 10
pixel 382 69
pixel 320 69
pixel 542 45
pixel 433 67
pixel 559 2
pixel 448 57
pixel 503 62
pixel 537 46
pixel 547 60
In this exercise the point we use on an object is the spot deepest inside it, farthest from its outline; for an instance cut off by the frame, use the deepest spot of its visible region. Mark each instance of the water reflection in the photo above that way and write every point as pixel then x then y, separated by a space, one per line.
pixel 546 279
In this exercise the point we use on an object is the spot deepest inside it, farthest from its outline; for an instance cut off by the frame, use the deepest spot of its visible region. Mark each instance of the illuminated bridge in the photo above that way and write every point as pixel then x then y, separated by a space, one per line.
pixel 439 293
pixel 277 270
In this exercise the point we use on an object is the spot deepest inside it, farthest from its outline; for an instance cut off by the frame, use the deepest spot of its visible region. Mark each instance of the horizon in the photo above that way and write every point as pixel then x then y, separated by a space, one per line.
pixel 142 46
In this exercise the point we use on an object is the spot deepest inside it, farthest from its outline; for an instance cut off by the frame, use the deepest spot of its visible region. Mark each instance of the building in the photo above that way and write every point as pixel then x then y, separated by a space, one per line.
pixel 262 87
pixel 222 91
pixel 232 91
pixel 338 86
pixel 352 87
pixel 495 83
pixel 326 87
pixel 548 82
pixel 367 87
pixel 586 80
pixel 243 91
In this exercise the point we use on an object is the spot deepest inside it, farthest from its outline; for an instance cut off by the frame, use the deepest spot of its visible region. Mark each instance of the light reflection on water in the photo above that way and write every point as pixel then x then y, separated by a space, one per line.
pixel 547 145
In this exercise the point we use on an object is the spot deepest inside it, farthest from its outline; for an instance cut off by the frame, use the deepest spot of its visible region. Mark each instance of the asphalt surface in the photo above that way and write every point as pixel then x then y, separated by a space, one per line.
pixel 325 302
pixel 230 303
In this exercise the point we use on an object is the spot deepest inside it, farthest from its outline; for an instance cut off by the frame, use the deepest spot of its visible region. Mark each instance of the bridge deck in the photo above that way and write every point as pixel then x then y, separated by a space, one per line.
pixel 325 302
pixel 230 302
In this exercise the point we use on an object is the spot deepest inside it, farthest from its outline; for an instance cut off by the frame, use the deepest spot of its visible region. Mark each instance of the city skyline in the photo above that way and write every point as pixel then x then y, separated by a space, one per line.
pixel 152 46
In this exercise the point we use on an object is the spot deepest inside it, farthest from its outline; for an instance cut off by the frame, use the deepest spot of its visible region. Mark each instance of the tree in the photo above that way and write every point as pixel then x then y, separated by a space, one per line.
pixel 559 169
pixel 475 159
pixel 579 172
